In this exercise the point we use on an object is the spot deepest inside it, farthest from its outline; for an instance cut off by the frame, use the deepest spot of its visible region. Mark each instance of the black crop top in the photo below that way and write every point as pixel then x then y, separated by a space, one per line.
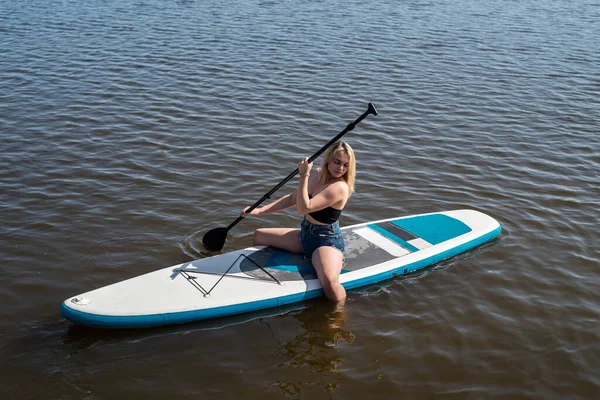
pixel 327 215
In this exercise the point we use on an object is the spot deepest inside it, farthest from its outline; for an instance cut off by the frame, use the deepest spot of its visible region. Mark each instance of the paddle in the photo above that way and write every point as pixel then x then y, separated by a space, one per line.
pixel 214 240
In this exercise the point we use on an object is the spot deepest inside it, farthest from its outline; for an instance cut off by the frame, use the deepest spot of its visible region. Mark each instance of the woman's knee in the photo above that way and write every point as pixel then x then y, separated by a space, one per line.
pixel 334 290
pixel 329 280
pixel 259 237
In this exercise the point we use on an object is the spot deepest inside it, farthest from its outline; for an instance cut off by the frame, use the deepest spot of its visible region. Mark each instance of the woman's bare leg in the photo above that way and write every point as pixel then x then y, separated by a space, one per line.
pixel 328 262
pixel 282 238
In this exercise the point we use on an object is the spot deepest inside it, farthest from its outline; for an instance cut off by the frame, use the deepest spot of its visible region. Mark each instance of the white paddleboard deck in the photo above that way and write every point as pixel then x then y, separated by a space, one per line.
pixel 262 277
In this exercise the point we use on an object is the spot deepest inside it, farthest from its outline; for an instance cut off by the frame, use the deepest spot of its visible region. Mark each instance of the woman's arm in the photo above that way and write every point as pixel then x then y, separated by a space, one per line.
pixel 302 199
pixel 283 203
pixel 330 196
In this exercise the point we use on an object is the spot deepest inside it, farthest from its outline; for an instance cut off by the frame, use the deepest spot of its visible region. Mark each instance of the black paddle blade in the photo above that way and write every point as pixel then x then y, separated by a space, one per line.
pixel 371 109
pixel 214 240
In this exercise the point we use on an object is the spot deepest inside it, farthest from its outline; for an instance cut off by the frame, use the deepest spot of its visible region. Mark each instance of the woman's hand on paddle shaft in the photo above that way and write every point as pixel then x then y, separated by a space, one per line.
pixel 304 166
pixel 256 211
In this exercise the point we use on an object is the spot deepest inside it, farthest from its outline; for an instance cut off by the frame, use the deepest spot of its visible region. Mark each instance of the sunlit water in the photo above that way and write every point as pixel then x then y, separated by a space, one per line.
pixel 129 129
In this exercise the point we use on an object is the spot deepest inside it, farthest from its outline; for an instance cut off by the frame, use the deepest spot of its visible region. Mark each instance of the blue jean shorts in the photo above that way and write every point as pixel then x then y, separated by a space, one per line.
pixel 313 236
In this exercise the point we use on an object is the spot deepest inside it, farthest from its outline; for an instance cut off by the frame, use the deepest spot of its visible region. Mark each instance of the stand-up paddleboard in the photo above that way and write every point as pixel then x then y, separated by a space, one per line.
pixel 261 277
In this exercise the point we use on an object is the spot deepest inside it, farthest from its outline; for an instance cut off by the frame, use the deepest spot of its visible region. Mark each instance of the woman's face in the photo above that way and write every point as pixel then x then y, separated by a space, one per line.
pixel 338 165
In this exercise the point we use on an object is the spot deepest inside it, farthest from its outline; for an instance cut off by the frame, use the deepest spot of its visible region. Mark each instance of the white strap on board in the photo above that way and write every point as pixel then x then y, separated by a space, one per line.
pixel 386 244
pixel 420 243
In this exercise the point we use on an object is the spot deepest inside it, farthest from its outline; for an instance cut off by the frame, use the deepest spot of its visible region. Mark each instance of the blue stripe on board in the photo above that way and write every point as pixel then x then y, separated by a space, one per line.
pixel 284 261
pixel 393 237
pixel 301 269
pixel 107 321
pixel 433 228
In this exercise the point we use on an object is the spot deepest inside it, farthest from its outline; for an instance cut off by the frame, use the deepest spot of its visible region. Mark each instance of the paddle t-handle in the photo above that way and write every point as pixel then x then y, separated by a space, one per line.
pixel 214 240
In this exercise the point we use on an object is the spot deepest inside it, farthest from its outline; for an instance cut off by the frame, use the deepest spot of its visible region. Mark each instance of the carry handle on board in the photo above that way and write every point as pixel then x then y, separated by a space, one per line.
pixel 214 240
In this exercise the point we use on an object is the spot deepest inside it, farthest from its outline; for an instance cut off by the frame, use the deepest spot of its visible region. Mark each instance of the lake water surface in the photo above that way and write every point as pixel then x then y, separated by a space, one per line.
pixel 128 129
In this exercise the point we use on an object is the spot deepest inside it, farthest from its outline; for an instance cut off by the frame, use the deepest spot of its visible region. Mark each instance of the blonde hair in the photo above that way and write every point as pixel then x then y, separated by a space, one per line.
pixel 350 175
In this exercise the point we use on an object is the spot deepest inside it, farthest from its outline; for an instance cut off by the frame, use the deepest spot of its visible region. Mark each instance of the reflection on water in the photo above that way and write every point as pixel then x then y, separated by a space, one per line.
pixel 82 338
pixel 315 349
pixel 306 339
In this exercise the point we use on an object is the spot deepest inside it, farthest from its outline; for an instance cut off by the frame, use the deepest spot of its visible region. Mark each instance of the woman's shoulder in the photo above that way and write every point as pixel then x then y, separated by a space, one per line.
pixel 339 186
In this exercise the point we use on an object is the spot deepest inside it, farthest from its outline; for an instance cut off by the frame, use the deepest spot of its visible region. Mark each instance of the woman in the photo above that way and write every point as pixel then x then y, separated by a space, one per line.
pixel 321 197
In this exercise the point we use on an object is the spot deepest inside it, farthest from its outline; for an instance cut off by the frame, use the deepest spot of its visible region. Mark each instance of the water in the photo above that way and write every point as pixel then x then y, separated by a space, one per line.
pixel 129 129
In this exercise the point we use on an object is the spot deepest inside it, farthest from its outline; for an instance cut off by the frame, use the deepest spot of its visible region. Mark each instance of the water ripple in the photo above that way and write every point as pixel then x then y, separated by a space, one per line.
pixel 128 130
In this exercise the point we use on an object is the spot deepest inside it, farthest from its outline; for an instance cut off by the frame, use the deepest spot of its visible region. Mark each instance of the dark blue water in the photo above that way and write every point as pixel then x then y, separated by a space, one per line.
pixel 129 129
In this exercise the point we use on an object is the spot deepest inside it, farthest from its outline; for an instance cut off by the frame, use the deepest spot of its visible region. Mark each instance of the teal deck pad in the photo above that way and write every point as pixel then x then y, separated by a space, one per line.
pixel 433 228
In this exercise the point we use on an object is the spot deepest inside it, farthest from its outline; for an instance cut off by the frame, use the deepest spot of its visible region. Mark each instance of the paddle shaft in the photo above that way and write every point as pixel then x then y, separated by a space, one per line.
pixel 370 110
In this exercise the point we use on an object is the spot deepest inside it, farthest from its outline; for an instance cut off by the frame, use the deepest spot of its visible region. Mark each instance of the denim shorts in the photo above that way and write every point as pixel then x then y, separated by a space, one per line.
pixel 313 236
